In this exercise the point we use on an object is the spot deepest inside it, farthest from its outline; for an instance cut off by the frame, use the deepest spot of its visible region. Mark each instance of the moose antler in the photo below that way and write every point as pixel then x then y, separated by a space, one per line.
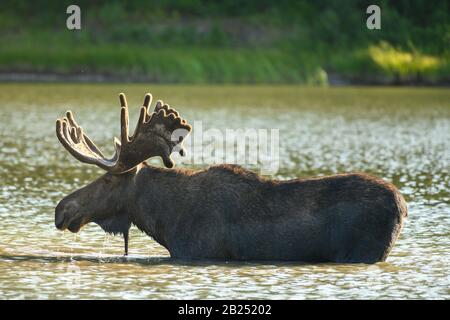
pixel 156 134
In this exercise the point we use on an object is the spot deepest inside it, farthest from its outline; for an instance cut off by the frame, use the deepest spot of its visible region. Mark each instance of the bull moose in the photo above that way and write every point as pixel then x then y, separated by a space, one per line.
pixel 225 212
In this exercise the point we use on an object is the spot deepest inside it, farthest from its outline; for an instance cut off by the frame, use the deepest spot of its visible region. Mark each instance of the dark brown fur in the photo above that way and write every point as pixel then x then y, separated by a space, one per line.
pixel 227 212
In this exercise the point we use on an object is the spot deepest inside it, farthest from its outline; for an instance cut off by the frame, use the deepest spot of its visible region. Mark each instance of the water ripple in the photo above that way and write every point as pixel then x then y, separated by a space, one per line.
pixel 401 135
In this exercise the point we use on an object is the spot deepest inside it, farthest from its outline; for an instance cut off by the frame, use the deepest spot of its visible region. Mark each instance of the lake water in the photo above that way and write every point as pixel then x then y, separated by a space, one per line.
pixel 399 134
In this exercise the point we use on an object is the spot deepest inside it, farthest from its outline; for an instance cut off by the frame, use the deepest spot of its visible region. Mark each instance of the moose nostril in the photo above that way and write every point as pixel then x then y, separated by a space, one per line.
pixel 59 215
pixel 59 218
pixel 59 223
pixel 64 211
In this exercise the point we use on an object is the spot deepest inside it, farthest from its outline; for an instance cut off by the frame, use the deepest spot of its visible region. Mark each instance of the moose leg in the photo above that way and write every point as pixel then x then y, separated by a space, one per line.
pixel 125 238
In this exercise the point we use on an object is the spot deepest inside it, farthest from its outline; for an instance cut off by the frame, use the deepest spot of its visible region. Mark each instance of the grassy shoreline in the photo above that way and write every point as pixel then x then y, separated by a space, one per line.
pixel 333 80
pixel 378 65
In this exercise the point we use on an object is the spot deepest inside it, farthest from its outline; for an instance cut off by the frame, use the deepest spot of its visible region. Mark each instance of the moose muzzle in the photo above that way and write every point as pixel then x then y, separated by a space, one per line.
pixel 67 216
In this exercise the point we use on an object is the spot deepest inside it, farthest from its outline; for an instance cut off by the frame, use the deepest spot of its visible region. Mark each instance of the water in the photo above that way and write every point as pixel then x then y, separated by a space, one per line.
pixel 402 135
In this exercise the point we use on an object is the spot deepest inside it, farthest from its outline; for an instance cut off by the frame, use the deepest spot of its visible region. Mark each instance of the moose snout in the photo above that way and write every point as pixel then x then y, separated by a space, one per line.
pixel 64 213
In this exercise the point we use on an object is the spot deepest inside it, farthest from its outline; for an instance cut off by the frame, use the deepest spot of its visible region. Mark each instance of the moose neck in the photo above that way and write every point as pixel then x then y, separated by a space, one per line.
pixel 156 202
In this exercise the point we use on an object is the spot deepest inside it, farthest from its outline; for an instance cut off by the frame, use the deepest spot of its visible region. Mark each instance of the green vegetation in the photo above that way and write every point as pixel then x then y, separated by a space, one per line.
pixel 252 41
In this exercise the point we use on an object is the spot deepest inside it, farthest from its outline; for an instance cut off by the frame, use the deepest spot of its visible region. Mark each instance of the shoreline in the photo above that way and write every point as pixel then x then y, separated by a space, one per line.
pixel 334 79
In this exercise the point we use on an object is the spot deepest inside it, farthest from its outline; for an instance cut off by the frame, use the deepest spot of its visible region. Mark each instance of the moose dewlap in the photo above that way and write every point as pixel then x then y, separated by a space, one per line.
pixel 225 212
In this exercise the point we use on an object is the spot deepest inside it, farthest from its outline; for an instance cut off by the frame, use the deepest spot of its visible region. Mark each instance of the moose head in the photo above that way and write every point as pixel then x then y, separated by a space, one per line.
pixel 157 134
